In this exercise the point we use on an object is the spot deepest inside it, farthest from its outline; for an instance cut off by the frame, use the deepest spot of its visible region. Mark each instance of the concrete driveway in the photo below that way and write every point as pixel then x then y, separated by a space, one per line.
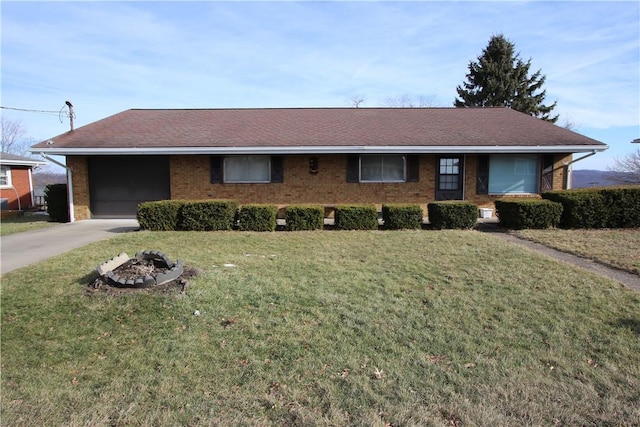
pixel 21 249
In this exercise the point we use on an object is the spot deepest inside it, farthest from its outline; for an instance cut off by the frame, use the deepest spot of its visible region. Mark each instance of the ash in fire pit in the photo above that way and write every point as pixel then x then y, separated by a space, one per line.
pixel 146 270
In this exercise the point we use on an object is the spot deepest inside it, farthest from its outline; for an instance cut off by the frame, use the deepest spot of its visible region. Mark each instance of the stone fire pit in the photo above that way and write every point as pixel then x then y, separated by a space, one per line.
pixel 145 270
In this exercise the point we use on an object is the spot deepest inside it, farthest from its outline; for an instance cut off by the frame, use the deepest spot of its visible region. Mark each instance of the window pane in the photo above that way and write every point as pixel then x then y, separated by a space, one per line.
pixel 449 166
pixel 371 168
pixel 513 174
pixel 4 175
pixel 382 168
pixel 247 169
pixel 448 182
pixel 393 168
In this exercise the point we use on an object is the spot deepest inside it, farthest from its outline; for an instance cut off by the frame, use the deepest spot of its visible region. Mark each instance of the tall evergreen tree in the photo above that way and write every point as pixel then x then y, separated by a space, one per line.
pixel 501 79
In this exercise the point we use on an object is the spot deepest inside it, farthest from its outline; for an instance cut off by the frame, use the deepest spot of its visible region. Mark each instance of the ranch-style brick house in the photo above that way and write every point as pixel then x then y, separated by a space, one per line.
pixel 322 156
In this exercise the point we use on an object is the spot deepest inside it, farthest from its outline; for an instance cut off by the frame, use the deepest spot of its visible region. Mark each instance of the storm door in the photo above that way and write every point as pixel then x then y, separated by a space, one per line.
pixel 450 178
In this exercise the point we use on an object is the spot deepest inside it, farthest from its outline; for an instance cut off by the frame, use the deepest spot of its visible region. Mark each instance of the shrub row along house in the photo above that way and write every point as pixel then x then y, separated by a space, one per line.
pixel 323 156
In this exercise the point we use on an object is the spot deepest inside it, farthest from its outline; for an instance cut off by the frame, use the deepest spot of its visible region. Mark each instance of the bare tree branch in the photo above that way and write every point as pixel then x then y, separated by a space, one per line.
pixel 356 100
pixel 14 137
pixel 410 101
pixel 629 165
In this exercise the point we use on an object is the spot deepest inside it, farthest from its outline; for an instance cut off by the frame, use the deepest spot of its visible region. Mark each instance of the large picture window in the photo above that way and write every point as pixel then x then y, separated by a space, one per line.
pixel 247 169
pixel 382 169
pixel 513 174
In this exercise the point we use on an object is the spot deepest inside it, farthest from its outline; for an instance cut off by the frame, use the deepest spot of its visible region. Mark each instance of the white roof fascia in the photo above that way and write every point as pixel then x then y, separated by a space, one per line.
pixel 415 149
pixel 33 163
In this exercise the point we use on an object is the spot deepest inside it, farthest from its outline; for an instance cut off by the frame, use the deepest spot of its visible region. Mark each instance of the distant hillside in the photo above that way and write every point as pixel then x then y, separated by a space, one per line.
pixel 594 178
pixel 42 179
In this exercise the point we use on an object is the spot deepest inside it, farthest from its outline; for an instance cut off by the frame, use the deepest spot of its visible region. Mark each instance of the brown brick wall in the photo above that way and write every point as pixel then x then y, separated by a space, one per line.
pixel 80 175
pixel 190 179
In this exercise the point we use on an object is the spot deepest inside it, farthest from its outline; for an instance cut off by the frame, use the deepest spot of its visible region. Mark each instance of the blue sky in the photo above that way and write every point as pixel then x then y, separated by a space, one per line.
pixel 107 57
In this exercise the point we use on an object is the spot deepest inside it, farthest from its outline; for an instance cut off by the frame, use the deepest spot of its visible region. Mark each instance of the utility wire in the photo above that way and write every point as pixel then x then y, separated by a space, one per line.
pixel 60 113
pixel 30 111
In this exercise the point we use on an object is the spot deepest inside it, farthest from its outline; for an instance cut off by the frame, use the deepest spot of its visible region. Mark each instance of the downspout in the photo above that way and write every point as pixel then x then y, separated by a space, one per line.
pixel 33 202
pixel 567 176
pixel 13 187
pixel 72 216
pixel 17 197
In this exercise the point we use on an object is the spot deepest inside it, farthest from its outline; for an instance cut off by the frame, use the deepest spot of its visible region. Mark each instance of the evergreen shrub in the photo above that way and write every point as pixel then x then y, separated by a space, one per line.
pixel 258 217
pixel 56 198
pixel 356 217
pixel 402 216
pixel 624 206
pixel 581 208
pixel 207 215
pixel 518 213
pixel 304 217
pixel 614 207
pixel 160 215
pixel 452 215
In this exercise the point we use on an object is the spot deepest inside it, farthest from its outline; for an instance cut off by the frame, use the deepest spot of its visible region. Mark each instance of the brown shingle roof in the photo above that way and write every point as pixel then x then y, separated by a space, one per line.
pixel 315 127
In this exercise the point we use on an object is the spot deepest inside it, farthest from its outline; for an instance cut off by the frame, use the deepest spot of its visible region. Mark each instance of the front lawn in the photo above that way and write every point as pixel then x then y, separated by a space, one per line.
pixel 618 248
pixel 29 221
pixel 322 328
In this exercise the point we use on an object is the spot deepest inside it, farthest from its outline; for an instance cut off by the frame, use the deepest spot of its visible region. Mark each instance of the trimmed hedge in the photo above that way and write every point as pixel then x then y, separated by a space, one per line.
pixel 258 217
pixel 452 215
pixel 304 217
pixel 624 206
pixel 598 207
pixel 518 213
pixel 581 208
pixel 402 216
pixel 207 215
pixel 159 216
pixel 56 197
pixel 356 217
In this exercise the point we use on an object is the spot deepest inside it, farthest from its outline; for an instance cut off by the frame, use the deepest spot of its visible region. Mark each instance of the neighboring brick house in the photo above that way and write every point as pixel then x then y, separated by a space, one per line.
pixel 313 155
pixel 16 182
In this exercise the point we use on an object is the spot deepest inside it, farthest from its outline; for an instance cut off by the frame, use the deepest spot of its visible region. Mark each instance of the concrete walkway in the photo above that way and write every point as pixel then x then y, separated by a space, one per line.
pixel 630 280
pixel 21 249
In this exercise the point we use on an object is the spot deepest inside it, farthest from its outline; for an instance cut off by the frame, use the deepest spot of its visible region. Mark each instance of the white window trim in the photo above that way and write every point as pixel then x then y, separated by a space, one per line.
pixel 8 175
pixel 224 172
pixel 389 181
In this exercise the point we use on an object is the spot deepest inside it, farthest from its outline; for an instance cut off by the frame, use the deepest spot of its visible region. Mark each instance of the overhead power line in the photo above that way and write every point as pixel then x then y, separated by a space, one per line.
pixel 31 111
pixel 60 113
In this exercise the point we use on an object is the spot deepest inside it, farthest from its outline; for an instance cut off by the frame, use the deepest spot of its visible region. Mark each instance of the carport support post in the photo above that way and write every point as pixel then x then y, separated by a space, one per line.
pixel 72 216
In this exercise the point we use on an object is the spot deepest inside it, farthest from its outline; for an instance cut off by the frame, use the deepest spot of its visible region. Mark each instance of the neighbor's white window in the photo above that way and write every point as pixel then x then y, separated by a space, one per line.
pixel 247 169
pixel 513 174
pixel 382 169
pixel 5 176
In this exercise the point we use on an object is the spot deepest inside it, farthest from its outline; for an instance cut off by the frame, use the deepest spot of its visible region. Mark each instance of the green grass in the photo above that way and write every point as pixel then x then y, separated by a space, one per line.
pixel 322 328
pixel 618 248
pixel 24 223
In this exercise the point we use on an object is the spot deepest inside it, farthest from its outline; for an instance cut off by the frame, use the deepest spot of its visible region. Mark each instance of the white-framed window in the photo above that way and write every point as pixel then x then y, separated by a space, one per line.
pixel 247 169
pixel 380 168
pixel 514 174
pixel 5 176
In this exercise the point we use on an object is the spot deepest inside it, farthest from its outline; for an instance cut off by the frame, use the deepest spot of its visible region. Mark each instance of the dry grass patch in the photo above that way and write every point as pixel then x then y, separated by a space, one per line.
pixel 29 221
pixel 322 328
pixel 618 248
